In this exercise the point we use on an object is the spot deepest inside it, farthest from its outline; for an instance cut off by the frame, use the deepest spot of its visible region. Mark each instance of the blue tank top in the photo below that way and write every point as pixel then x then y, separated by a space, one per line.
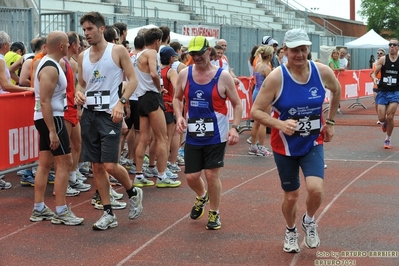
pixel 259 78
pixel 207 120
pixel 302 102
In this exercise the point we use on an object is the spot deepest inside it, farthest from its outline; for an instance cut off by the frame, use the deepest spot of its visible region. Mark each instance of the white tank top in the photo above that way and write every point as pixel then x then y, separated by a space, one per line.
pixel 175 65
pixel 133 58
pixel 7 73
pixel 145 82
pixel 103 79
pixel 58 101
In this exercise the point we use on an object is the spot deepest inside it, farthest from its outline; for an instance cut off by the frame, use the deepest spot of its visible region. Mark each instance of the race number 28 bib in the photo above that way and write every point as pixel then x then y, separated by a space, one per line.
pixel 307 125
pixel 98 100
pixel 200 127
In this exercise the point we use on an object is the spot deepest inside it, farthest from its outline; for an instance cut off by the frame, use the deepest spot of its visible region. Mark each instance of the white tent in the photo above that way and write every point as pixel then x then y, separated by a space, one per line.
pixel 369 40
pixel 182 39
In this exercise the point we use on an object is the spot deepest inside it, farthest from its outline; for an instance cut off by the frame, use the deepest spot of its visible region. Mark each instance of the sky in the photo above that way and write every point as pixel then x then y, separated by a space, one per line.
pixel 336 8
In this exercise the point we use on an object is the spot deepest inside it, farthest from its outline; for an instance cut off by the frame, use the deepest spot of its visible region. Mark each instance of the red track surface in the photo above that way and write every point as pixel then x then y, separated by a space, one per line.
pixel 359 213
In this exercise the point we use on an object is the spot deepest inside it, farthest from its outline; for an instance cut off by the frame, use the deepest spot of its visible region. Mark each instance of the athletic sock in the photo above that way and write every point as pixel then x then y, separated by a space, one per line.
pixel 131 192
pixel 39 206
pixel 72 176
pixel 108 209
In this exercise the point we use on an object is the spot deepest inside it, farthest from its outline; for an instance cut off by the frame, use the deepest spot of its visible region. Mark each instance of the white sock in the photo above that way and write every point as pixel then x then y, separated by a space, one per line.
pixel 72 176
pixel 161 176
pixel 39 206
pixel 140 176
pixel 308 219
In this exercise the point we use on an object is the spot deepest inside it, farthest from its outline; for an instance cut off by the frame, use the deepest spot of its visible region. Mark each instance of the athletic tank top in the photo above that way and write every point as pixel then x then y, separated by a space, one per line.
pixel 70 89
pixel 58 99
pixel 175 65
pixel 145 82
pixel 7 73
pixel 39 56
pixel 167 96
pixel 103 81
pixel 302 102
pixel 133 58
pixel 389 75
pixel 207 121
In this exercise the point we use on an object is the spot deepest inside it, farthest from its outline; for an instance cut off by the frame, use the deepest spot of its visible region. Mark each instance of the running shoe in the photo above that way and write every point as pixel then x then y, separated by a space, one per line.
pixel 96 198
pixel 198 209
pixel 123 160
pixel 132 170
pixel 146 160
pixel 312 239
pixel 45 214
pixel 71 192
pixel 142 182
pixel 167 182
pixel 115 194
pixel 249 140
pixel 378 122
pixel 136 204
pixel 387 144
pixel 51 178
pixel 263 151
pixel 106 221
pixel 114 181
pixel 85 168
pixel 79 185
pixel 253 150
pixel 27 181
pixel 80 177
pixel 4 184
pixel 213 221
pixel 115 204
pixel 67 217
pixel 384 127
pixel 150 171
pixel 170 175
pixel 174 168
pixel 291 242
pixel 180 160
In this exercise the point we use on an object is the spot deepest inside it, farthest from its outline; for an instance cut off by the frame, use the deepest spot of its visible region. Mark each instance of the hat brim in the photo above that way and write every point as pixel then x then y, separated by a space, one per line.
pixel 204 48
pixel 297 43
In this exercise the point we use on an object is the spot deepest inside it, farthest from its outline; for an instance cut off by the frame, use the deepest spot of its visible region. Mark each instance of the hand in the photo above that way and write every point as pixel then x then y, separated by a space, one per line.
pixel 236 81
pixel 80 98
pixel 127 111
pixel 54 141
pixel 232 137
pixel 328 132
pixel 181 125
pixel 289 126
pixel 117 112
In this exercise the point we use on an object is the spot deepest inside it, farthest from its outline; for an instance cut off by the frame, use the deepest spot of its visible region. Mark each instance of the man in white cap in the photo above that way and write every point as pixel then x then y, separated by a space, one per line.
pixel 296 91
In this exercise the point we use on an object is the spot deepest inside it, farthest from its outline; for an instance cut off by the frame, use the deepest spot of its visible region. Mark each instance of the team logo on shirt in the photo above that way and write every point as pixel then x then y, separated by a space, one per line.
pixel 97 77
pixel 199 94
pixel 198 101
pixel 314 93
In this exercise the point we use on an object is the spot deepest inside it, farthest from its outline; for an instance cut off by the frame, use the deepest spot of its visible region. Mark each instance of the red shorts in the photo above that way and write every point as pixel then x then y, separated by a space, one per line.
pixel 71 115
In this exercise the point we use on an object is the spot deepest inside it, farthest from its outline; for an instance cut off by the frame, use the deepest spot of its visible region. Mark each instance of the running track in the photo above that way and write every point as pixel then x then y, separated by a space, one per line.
pixel 359 214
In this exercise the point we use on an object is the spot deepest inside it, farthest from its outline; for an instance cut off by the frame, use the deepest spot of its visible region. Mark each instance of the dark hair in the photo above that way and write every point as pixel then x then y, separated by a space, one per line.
pixel 252 54
pixel 176 46
pixel 81 39
pixel 213 51
pixel 139 42
pixel 309 56
pixel 94 17
pixel 218 47
pixel 110 33
pixel 165 33
pixel 122 27
pixel 152 35
pixel 39 43
pixel 18 46
pixel 165 61
pixel 73 37
pixel 125 42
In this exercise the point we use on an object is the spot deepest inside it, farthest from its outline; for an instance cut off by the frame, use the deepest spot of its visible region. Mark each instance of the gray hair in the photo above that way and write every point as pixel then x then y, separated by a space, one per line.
pixel 4 38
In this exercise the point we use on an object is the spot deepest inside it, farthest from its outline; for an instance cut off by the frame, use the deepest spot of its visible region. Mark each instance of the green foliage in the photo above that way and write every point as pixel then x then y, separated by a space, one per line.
pixel 382 16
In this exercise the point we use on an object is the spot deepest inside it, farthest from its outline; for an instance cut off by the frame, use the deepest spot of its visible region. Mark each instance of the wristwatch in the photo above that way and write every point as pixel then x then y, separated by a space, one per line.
pixel 236 127
pixel 123 100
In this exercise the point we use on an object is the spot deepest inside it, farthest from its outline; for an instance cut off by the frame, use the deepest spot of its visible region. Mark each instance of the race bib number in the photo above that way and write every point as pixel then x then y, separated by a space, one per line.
pixel 307 125
pixel 98 100
pixel 200 127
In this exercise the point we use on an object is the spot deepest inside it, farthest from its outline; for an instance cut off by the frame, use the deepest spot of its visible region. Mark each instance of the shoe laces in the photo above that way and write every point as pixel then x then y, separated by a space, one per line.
pixel 292 237
pixel 199 203
pixel 213 217
pixel 311 229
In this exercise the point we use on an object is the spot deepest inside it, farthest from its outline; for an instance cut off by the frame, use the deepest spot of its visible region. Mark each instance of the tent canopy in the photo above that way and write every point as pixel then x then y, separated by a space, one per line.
pixel 182 39
pixel 369 40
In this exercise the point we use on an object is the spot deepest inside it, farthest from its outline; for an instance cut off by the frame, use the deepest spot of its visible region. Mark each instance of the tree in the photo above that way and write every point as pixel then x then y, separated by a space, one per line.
pixel 382 16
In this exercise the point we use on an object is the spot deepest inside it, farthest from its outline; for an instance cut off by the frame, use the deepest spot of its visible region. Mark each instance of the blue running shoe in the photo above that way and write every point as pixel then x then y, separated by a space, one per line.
pixel 51 178
pixel 27 181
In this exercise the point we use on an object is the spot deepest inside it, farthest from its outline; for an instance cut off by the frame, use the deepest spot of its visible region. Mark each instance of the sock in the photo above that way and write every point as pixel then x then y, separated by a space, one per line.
pixel 203 196
pixel 388 137
pixel 308 219
pixel 39 206
pixel 131 192
pixel 60 209
pixel 217 211
pixel 293 229
pixel 151 166
pixel 108 209
pixel 72 176
pixel 161 176
pixel 139 176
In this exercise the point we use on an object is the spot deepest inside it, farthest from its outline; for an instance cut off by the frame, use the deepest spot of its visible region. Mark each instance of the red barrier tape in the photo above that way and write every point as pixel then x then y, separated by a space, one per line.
pixel 19 138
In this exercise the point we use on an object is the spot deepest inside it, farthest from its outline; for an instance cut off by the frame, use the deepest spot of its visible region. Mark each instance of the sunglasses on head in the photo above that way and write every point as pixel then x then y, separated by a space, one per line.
pixel 393 44
pixel 199 53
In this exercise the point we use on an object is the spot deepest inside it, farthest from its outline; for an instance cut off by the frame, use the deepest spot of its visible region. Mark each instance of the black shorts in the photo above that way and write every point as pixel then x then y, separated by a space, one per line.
pixel 100 137
pixel 150 102
pixel 134 116
pixel 170 118
pixel 203 157
pixel 65 147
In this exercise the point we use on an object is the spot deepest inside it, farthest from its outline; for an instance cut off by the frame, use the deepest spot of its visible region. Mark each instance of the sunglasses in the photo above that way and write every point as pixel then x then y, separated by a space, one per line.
pixel 393 44
pixel 199 53
pixel 380 54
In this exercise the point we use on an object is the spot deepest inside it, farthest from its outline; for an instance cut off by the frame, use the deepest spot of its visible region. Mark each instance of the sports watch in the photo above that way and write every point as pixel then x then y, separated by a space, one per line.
pixel 123 100
pixel 236 127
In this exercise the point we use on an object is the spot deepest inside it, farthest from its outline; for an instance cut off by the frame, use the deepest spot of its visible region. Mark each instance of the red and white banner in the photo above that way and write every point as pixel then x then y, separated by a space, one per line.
pixel 244 89
pixel 201 30
pixel 19 139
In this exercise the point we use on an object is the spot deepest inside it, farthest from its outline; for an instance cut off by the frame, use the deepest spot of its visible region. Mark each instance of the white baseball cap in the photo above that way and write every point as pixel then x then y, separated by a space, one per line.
pixel 296 37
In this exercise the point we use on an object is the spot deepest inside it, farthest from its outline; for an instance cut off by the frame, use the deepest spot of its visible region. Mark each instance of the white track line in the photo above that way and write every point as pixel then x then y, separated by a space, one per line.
pixel 134 253
pixel 296 256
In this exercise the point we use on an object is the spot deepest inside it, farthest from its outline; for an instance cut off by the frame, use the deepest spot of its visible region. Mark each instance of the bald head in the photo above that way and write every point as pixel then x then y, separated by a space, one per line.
pixel 223 43
pixel 54 39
